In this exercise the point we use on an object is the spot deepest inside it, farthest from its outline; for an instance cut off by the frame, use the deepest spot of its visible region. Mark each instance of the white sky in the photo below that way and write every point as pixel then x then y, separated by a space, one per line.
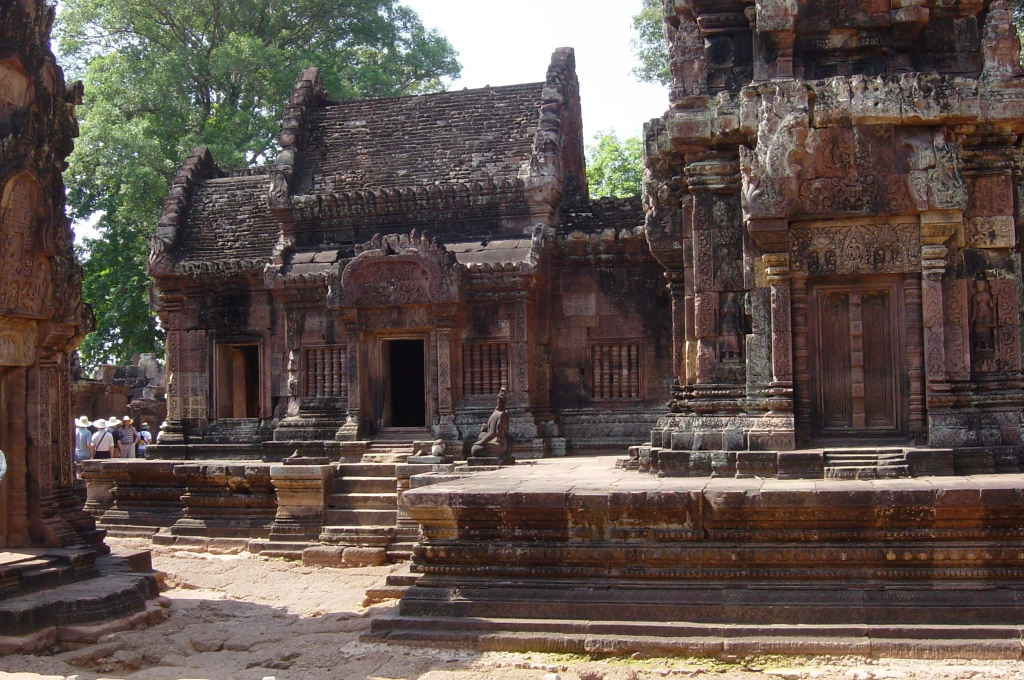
pixel 506 44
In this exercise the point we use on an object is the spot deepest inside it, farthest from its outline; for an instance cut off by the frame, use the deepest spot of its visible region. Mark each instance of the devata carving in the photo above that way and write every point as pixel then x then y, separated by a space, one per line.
pixel 983 317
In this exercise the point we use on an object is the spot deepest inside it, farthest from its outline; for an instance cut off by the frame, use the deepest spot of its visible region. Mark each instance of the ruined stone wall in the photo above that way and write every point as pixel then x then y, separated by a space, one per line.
pixel 42 318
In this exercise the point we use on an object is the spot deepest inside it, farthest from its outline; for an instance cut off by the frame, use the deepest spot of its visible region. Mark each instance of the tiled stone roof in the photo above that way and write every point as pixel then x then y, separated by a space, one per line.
pixel 229 220
pixel 443 138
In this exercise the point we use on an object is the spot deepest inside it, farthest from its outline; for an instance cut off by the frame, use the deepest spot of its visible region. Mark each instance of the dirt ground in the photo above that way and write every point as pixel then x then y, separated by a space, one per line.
pixel 250 618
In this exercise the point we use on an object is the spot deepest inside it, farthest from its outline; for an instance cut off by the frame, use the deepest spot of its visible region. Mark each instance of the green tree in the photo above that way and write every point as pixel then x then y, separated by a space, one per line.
pixel 164 76
pixel 649 45
pixel 614 167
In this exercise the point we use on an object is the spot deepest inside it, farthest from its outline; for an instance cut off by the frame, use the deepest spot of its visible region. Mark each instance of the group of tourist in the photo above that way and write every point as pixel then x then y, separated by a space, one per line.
pixel 112 438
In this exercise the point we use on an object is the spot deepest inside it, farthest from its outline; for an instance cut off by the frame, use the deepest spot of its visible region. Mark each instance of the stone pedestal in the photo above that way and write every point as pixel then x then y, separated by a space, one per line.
pixel 302 492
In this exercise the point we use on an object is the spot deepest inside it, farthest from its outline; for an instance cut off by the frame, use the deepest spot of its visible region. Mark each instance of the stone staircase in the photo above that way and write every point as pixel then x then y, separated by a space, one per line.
pixel 866 463
pixel 363 508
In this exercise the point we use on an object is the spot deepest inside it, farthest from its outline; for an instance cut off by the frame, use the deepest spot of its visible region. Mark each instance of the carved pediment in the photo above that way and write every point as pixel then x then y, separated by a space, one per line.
pixel 400 269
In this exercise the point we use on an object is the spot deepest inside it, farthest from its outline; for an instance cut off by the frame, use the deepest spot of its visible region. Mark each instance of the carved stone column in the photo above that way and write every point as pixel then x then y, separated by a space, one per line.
pixel 446 429
pixel 172 431
pixel 937 226
pixel 933 267
pixel 777 271
pixel 350 430
pixel 717 250
pixel 677 290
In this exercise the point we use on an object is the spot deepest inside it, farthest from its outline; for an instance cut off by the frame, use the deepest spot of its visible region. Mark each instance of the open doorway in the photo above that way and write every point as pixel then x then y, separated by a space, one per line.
pixel 406 397
pixel 238 381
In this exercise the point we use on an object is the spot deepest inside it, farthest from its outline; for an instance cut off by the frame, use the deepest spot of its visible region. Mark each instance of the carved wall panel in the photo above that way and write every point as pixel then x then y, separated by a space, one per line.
pixel 18 340
pixel 856 249
pixel 958 356
pixel 758 344
pixel 24 271
pixel 991 232
pixel 194 379
pixel 15 88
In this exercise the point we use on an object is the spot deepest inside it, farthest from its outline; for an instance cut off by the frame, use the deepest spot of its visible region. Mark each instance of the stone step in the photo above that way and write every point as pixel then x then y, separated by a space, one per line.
pixel 357 517
pixel 364 501
pixel 366 535
pixel 366 470
pixel 26 573
pixel 365 485
pixel 114 591
pixel 622 638
pixel 386 457
pixel 867 472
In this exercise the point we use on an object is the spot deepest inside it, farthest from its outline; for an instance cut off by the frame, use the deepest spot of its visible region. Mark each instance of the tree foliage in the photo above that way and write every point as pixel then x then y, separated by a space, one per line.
pixel 164 76
pixel 614 167
pixel 649 45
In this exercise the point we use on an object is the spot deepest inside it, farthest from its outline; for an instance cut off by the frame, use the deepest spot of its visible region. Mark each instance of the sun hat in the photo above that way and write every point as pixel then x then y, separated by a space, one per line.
pixel 83 421
pixel 144 426
pixel 113 420
pixel 100 423
pixel 128 418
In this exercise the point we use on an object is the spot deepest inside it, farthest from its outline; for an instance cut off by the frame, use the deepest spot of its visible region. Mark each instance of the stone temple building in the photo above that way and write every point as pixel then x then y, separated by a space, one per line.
pixel 835 194
pixel 400 261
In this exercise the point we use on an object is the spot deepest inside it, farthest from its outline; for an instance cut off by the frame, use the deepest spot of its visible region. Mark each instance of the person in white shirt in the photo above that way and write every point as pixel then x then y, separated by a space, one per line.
pixel 102 441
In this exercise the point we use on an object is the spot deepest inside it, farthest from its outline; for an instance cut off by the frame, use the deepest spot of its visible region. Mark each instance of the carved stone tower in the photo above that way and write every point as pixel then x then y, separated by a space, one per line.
pixel 835 194
pixel 42 318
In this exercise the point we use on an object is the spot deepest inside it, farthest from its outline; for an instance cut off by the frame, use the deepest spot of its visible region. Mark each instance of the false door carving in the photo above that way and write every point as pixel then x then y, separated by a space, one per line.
pixel 857 376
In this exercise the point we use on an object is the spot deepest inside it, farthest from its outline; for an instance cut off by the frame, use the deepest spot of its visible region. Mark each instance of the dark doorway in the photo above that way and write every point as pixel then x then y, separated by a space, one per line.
pixel 408 400
pixel 238 386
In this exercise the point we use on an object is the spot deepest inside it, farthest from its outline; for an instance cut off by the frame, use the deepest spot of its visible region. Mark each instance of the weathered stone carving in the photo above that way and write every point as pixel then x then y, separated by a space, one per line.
pixel 1001 44
pixel 731 329
pixel 493 441
pixel 856 249
pixel 399 270
pixel 982 318
pixel 15 87
pixel 18 342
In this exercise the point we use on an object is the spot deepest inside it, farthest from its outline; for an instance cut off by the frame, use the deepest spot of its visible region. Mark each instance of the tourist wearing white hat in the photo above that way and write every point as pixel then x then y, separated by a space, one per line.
pixel 103 441
pixel 83 437
pixel 128 437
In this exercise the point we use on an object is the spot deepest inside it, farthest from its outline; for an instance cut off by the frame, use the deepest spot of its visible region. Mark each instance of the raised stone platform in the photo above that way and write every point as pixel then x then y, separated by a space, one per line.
pixel 575 555
pixel 78 594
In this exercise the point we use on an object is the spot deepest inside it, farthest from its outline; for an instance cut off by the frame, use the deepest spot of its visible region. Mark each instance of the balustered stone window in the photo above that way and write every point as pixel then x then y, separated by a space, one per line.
pixel 484 367
pixel 615 371
pixel 325 372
